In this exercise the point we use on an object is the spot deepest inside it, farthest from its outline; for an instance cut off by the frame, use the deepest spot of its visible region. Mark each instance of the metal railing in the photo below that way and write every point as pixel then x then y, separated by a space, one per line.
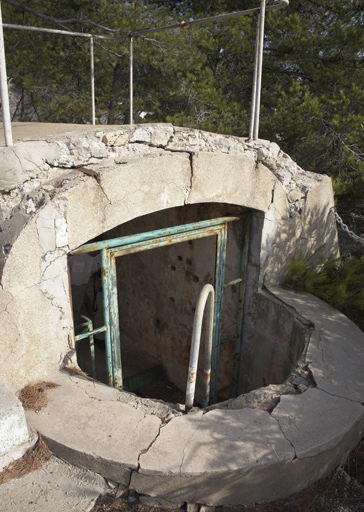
pixel 258 62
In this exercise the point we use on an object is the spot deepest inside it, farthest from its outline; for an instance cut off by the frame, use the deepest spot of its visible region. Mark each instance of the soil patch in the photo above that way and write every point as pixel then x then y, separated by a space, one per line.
pixel 33 396
pixel 32 460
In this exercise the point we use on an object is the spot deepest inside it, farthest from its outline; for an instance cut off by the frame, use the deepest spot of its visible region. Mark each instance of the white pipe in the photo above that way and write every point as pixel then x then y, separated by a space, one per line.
pixel 131 80
pixel 184 24
pixel 56 31
pixel 92 80
pixel 255 81
pixel 4 89
pixel 260 67
pixel 207 292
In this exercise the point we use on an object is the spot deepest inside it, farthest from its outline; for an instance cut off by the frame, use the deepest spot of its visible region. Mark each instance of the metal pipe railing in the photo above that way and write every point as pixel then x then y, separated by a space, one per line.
pixel 4 89
pixel 184 24
pixel 257 79
pixel 207 292
pixel 131 85
pixel 92 68
pixel 255 109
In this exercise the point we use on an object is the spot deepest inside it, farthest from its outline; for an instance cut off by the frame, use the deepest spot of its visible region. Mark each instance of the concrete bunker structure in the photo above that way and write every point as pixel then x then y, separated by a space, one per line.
pixel 65 190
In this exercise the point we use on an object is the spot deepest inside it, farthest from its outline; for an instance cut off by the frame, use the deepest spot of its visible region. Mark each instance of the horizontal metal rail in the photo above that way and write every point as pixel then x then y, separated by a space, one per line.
pixel 89 334
pixel 230 338
pixel 57 31
pixel 184 24
pixel 84 335
pixel 152 235
pixel 254 122
pixel 236 281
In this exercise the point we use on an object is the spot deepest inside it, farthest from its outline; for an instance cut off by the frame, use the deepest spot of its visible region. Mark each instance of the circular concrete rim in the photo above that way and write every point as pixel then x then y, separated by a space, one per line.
pixel 229 457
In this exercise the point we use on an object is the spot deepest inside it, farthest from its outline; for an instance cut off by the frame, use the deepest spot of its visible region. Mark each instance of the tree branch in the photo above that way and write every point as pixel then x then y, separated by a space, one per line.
pixel 61 23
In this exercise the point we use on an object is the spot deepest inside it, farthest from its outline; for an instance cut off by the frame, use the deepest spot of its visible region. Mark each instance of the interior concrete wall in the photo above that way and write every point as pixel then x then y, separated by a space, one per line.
pixel 158 290
pixel 49 207
pixel 274 344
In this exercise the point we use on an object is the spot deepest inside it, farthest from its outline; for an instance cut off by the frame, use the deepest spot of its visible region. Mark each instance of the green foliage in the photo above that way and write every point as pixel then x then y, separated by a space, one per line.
pixel 339 282
pixel 312 85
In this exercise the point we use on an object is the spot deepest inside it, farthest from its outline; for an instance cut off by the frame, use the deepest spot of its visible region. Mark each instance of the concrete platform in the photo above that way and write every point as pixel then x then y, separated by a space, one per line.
pixel 220 456
pixel 56 487
pixel 49 131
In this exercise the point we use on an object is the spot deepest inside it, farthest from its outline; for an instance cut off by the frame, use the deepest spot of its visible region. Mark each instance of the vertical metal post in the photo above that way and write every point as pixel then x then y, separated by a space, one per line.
pixel 255 75
pixel 92 79
pixel 114 323
pixel 259 70
pixel 219 300
pixel 242 290
pixel 105 260
pixel 131 79
pixel 4 89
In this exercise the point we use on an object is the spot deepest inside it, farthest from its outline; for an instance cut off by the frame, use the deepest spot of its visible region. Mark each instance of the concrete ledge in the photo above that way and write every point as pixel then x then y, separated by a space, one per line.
pixel 221 456
pixel 15 437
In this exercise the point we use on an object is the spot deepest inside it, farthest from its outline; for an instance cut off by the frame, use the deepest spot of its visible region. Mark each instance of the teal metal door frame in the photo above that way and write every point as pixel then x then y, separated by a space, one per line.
pixel 112 249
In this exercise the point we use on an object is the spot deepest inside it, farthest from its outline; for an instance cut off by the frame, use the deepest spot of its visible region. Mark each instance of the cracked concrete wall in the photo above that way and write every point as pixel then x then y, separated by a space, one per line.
pixel 49 206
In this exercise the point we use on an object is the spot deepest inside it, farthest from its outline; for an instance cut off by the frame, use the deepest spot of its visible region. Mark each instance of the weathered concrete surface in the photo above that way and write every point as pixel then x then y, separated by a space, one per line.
pixel 56 487
pixel 49 207
pixel 94 430
pixel 213 458
pixel 269 358
pixel 312 424
pixel 336 350
pixel 15 437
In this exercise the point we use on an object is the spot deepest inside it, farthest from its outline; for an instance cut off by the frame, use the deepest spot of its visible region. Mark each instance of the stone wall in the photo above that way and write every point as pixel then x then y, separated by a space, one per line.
pixel 49 206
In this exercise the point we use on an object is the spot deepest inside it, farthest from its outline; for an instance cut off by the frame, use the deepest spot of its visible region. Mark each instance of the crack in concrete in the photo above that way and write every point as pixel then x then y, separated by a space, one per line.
pixel 189 188
pixel 188 443
pixel 340 396
pixel 146 450
pixel 18 157
pixel 321 345
pixel 51 262
pixel 85 391
pixel 284 435
pixel 103 191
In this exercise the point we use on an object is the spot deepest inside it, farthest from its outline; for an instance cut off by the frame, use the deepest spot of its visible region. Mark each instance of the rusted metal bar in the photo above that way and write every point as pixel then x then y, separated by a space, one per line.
pixel 114 324
pixel 236 281
pixel 207 294
pixel 105 264
pixel 230 338
pixel 151 235
pixel 89 334
pixel 167 240
pixel 219 294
